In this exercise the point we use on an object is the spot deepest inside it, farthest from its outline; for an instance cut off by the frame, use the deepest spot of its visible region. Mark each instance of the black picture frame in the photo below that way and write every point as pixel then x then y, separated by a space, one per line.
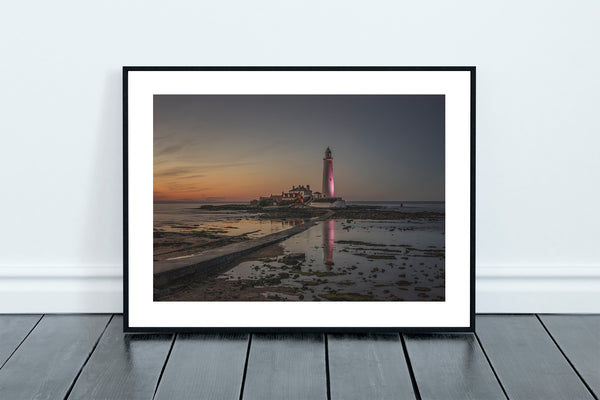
pixel 126 226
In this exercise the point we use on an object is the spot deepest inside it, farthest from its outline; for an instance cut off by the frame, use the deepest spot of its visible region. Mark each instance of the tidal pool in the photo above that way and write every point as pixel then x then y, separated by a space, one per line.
pixel 361 260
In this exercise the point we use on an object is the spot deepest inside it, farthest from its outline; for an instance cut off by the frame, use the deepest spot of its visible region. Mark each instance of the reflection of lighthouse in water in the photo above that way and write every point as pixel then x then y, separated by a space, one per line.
pixel 328 241
pixel 328 187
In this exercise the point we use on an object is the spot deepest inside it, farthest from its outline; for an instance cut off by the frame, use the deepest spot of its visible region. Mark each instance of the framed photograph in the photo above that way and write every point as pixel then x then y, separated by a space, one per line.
pixel 299 198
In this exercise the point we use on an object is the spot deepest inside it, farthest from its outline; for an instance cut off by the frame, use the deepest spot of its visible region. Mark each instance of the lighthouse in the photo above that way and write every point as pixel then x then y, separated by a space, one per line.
pixel 328 187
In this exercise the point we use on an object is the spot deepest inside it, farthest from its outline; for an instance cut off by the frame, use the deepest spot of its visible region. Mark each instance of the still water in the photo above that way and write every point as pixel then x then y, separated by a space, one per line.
pixel 188 217
pixel 337 259
pixel 354 260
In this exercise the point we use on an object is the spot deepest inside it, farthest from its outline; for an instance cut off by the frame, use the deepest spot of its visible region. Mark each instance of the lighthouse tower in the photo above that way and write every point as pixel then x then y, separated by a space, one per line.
pixel 328 187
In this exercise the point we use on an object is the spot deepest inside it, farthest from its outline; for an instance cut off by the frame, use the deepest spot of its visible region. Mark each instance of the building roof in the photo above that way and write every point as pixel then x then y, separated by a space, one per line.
pixel 299 188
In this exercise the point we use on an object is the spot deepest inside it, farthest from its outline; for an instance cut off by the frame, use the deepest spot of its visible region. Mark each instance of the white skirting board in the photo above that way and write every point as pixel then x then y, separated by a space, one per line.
pixel 48 289
pixel 540 289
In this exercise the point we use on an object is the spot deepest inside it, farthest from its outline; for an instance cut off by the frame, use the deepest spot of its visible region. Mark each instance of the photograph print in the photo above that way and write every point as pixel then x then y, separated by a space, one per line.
pixel 299 198
pixel 262 199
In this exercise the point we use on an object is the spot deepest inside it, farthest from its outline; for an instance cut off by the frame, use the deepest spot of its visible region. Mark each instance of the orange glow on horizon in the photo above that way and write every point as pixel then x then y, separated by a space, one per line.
pixel 237 183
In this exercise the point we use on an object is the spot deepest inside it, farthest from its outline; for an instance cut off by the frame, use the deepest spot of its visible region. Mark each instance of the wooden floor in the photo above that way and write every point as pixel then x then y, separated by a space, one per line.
pixel 510 356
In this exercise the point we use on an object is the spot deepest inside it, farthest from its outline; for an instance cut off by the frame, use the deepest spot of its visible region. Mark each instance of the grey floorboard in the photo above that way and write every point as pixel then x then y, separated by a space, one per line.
pixel 13 329
pixel 123 366
pixel 46 364
pixel 368 367
pixel 287 367
pixel 526 360
pixel 579 338
pixel 451 366
pixel 205 367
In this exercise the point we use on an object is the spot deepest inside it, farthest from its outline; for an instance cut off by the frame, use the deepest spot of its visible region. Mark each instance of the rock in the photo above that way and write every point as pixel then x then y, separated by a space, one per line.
pixel 284 275
pixel 293 259
pixel 272 281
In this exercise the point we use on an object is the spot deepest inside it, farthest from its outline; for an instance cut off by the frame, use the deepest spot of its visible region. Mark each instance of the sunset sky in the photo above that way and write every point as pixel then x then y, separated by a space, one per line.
pixel 237 148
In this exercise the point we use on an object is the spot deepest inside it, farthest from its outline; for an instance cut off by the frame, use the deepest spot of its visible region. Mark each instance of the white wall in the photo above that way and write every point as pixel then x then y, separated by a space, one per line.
pixel 538 131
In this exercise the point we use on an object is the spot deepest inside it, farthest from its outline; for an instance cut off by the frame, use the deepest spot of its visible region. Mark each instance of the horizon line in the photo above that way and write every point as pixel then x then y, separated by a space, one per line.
pixel 247 201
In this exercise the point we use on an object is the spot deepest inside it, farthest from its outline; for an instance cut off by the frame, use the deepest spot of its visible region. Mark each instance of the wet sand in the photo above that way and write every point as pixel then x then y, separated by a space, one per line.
pixel 337 260
pixel 177 240
pixel 210 226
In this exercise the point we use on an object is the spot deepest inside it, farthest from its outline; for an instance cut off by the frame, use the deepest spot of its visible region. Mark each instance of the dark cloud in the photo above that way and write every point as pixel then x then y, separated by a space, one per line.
pixel 168 150
pixel 174 171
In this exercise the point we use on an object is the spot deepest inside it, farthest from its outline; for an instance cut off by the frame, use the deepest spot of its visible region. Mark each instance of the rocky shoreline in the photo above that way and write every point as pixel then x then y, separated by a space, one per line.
pixel 351 212
pixel 365 264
